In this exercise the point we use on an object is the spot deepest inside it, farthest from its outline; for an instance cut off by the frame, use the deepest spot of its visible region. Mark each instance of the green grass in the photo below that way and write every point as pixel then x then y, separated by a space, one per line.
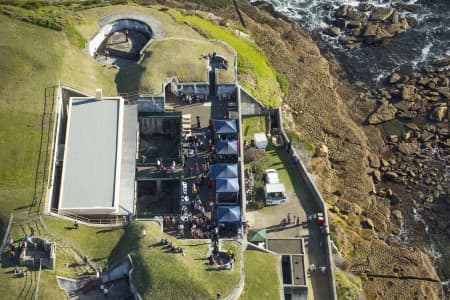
pixel 95 242
pixel 283 82
pixel 347 286
pixel 164 275
pixel 186 62
pixel 75 37
pixel 255 73
pixel 261 276
pixel 294 137
pixel 252 125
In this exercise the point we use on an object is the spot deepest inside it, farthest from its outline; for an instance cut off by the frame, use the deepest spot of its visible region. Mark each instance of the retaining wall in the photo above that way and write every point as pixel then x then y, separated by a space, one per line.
pixel 317 197
pixel 115 26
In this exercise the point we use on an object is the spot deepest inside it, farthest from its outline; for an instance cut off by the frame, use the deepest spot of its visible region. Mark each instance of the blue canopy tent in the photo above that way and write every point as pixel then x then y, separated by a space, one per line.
pixel 229 214
pixel 227 148
pixel 227 185
pixel 225 126
pixel 223 171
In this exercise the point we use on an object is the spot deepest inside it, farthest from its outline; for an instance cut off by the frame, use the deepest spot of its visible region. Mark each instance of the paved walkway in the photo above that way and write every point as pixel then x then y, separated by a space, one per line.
pixel 300 203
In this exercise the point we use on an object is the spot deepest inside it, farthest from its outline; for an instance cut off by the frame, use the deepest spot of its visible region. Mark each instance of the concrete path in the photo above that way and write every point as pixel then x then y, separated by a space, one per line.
pixel 300 203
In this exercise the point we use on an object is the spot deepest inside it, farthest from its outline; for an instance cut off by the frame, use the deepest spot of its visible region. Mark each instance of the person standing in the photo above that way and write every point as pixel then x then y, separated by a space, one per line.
pixel 198 122
pixel 126 35
pixel 106 54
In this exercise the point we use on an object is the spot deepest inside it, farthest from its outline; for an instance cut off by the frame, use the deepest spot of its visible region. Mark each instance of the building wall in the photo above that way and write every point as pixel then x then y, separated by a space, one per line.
pixel 249 105
pixel 150 104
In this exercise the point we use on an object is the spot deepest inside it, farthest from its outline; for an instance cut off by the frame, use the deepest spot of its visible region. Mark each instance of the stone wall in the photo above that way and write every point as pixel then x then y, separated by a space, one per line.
pixel 249 105
pixel 49 248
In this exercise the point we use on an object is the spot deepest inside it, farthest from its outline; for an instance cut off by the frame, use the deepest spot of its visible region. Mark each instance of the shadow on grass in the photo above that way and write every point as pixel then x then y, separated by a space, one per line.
pixel 104 230
pixel 128 79
pixel 98 259
pixel 142 275
pixel 8 261
pixel 22 207
pixel 128 242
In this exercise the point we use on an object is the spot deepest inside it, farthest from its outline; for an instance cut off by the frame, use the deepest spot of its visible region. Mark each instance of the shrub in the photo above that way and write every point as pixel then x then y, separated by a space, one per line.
pixel 251 154
pixel 283 82
pixel 75 37
pixel 293 136
pixel 347 285
pixel 53 17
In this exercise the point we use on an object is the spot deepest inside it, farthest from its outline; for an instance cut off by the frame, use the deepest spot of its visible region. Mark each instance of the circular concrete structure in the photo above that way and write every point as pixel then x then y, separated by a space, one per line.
pixel 125 35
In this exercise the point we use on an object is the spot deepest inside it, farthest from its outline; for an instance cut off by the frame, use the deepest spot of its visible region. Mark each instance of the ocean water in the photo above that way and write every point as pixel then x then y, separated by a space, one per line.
pixel 427 42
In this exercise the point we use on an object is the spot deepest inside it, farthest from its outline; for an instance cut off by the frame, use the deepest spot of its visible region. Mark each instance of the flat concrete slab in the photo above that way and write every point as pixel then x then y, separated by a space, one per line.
pixel 286 245
pixel 298 268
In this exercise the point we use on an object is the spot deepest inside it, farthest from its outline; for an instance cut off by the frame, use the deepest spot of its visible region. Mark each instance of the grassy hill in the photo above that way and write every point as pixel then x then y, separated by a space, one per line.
pixel 28 65
pixel 158 271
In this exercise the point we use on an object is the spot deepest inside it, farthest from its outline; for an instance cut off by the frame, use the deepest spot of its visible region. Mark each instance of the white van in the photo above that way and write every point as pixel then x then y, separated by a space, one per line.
pixel 274 191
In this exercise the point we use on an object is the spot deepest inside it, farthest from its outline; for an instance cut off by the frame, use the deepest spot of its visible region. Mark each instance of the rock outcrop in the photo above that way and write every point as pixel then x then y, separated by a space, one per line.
pixel 384 113
pixel 367 24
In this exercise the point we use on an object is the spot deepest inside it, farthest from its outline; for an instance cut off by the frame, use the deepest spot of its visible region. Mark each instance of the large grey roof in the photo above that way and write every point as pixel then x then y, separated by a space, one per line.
pixel 90 160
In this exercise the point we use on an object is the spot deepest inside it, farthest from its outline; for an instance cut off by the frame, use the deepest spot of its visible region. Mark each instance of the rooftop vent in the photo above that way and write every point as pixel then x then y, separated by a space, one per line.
pixel 98 94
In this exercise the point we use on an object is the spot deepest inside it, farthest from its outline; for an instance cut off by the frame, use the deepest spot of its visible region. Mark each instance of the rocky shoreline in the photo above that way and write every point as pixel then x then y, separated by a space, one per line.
pixel 367 24
pixel 417 156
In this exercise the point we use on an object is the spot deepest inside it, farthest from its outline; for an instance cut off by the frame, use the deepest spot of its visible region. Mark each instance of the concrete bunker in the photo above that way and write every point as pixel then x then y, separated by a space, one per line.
pixel 124 36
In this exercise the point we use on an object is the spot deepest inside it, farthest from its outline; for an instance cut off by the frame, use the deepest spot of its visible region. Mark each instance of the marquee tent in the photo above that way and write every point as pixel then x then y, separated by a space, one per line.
pixel 228 214
pixel 227 185
pixel 223 171
pixel 225 126
pixel 227 148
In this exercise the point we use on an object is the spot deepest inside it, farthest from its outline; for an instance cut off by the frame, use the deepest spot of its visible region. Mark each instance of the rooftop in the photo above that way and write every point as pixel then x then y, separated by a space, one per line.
pixel 90 173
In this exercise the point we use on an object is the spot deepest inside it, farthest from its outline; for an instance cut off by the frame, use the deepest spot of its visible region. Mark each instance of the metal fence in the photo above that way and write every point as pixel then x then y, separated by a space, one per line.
pixel 5 237
pixel 36 292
